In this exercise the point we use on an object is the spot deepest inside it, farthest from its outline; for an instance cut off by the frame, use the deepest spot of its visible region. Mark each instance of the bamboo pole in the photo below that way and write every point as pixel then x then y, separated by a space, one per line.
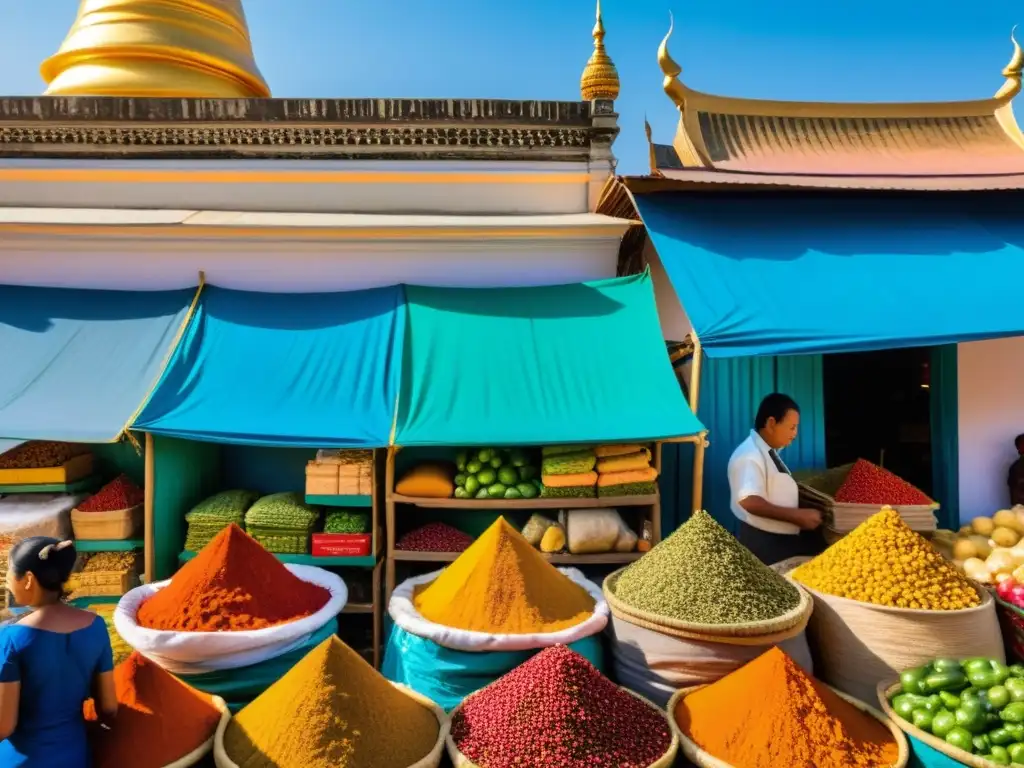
pixel 389 516
pixel 700 446
pixel 149 535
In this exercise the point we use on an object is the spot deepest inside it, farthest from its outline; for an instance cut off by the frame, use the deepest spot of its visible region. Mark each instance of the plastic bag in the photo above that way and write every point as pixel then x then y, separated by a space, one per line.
pixel 627 538
pixel 196 652
pixel 593 531
pixel 447 676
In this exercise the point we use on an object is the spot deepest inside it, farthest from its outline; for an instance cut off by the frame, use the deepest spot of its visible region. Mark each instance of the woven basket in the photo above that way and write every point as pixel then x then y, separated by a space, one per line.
pixel 861 644
pixel 782 628
pixel 431 760
pixel 667 760
pixel 115 524
pixel 819 491
pixel 700 758
pixel 887 689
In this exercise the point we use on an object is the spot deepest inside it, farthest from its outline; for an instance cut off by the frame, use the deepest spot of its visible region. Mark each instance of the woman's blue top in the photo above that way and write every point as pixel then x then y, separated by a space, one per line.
pixel 56 671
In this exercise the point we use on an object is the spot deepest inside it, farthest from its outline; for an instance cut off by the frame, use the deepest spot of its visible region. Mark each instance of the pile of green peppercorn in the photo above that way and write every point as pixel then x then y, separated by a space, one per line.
pixel 975 705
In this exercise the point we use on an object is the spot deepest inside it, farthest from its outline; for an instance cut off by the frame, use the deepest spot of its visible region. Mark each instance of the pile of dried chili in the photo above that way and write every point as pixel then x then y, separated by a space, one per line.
pixel 119 493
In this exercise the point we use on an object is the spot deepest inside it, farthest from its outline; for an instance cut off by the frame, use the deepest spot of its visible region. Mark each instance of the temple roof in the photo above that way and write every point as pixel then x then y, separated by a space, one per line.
pixel 726 140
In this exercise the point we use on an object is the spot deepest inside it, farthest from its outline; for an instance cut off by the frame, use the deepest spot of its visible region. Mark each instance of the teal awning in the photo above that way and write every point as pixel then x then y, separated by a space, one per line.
pixel 783 274
pixel 526 366
pixel 76 365
pixel 312 370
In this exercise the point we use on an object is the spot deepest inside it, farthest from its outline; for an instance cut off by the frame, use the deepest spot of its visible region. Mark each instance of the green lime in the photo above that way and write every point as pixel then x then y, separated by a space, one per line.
pixel 513 493
pixel 487 476
pixel 508 475
pixel 496 491
pixel 474 466
pixel 460 479
pixel 961 739
pixel 472 485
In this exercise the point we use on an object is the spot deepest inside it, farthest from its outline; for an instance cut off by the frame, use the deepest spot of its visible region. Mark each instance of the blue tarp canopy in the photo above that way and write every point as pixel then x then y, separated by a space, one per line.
pixel 767 275
pixel 315 370
pixel 78 364
pixel 525 366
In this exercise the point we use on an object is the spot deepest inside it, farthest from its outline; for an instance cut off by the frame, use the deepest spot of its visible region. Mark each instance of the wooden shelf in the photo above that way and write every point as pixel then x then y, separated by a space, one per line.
pixel 78 486
pixel 369 561
pixel 340 501
pixel 608 558
pixel 498 504
pixel 108 545
pixel 358 608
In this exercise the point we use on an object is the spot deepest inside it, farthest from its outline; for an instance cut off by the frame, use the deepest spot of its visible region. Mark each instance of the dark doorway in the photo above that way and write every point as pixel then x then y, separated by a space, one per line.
pixel 878 407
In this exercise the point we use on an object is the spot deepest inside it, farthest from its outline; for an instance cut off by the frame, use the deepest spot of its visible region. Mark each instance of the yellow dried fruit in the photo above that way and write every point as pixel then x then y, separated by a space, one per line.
pixel 884 562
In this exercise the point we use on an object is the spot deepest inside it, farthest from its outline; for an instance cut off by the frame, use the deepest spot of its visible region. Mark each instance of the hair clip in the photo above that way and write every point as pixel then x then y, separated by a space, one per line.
pixel 44 553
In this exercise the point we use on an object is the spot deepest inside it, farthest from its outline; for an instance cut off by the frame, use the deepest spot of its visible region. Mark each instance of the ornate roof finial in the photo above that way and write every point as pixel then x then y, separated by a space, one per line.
pixel 600 79
pixel 652 158
pixel 670 69
pixel 1013 71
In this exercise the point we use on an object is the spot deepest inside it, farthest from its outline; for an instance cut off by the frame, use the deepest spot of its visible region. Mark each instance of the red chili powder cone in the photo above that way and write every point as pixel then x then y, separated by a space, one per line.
pixel 159 719
pixel 232 584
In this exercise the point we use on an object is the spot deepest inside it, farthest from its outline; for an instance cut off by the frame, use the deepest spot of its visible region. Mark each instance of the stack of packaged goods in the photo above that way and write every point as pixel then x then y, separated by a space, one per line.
pixel 333 709
pixel 114 512
pixel 556 710
pixel 106 574
pixel 340 473
pixel 234 618
pixel 771 714
pixel 567 472
pixel 212 515
pixel 282 523
pixel 499 603
pixel 885 600
pixel 106 611
pixel 698 606
pixel 625 470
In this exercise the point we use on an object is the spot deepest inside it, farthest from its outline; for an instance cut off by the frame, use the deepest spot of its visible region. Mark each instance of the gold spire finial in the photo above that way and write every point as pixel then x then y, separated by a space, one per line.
pixel 600 78
pixel 652 158
pixel 198 48
pixel 670 69
pixel 1013 71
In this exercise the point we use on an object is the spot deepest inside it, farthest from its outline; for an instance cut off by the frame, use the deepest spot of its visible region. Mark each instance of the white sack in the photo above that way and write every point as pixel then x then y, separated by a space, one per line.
pixel 191 653
pixel 405 615
pixel 592 531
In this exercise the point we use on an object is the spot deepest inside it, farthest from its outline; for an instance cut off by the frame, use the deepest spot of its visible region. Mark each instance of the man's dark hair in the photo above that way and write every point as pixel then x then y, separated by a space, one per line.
pixel 775 406
pixel 1017 441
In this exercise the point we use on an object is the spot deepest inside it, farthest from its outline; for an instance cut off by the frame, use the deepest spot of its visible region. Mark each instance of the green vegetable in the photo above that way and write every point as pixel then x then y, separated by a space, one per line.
pixel 462 493
pixel 461 459
pixel 922 719
pixel 497 462
pixel 472 485
pixel 1016 752
pixel 528 490
pixel 1015 686
pixel 946 665
pixel 512 493
pixel 905 703
pixel 508 476
pixel 473 466
pixel 949 700
pixel 487 476
pixel 942 723
pixel 986 674
pixel 952 680
pixel 981 744
pixel 1013 712
pixel 485 455
pixel 496 490
pixel 527 472
pixel 961 739
pixel 460 479
pixel 912 680
pixel 1001 737
pixel 999 755
pixel 998 696
pixel 1017 670
pixel 483 494
pixel 518 458
pixel 971 717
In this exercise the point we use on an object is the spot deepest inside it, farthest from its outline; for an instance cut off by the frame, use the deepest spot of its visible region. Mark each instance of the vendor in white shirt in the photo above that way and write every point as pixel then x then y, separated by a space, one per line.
pixel 764 495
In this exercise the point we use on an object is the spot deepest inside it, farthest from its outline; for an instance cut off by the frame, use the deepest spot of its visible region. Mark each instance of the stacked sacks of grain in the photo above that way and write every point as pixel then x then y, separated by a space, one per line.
pixel 161 721
pixel 498 604
pixel 696 607
pixel 557 711
pixel 212 515
pixel 886 600
pixel 333 709
pixel 567 472
pixel 625 470
pixel 223 622
pixel 282 522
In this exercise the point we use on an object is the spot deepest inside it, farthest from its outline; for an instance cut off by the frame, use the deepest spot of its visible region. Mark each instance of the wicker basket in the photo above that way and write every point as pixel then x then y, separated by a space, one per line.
pixel 700 758
pixel 667 760
pixel 887 689
pixel 431 760
pixel 116 524
pixel 818 491
pixel 755 633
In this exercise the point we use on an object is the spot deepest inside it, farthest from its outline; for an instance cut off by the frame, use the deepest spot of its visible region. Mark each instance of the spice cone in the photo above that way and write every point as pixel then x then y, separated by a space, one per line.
pixel 331 710
pixel 232 584
pixel 159 719
pixel 502 585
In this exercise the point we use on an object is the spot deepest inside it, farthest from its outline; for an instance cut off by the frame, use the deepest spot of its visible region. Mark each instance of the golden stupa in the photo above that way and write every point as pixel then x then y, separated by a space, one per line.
pixel 600 77
pixel 175 48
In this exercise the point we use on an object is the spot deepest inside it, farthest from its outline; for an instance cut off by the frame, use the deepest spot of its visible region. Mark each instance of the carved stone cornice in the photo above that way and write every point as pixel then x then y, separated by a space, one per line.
pixel 295 128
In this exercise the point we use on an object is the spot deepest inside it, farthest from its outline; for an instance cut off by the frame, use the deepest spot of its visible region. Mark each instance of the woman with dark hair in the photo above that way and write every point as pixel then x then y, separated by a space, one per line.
pixel 51 661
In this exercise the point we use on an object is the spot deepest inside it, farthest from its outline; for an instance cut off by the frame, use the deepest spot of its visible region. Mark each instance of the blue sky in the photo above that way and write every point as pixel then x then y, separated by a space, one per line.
pixel 871 50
